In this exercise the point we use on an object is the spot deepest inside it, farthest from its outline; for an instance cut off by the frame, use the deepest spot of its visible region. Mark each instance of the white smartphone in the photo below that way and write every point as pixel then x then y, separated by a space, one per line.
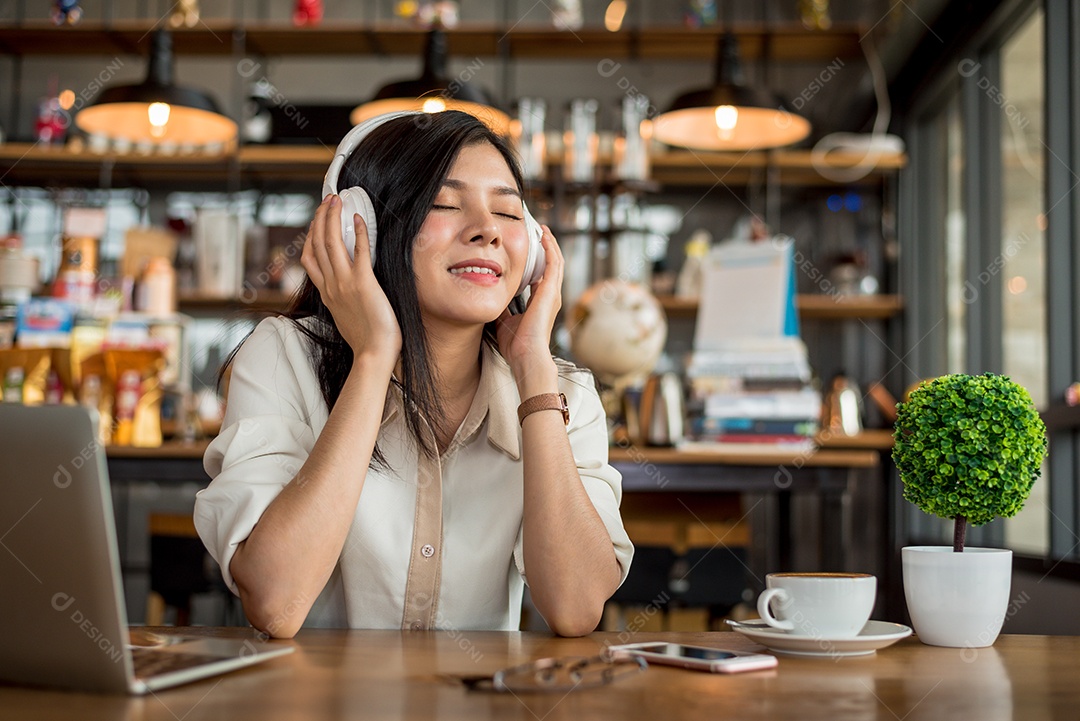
pixel 699 658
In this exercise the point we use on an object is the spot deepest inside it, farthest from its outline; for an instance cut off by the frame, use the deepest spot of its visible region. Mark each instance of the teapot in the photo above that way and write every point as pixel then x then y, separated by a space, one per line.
pixel 841 411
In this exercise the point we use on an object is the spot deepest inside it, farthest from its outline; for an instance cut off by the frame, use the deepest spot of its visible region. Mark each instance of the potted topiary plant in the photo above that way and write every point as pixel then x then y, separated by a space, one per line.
pixel 968 448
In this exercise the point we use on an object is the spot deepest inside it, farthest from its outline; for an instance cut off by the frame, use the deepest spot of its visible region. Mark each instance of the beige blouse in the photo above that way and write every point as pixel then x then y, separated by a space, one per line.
pixel 435 543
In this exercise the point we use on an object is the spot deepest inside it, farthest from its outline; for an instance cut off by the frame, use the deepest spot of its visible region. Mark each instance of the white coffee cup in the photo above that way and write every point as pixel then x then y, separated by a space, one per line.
pixel 821 605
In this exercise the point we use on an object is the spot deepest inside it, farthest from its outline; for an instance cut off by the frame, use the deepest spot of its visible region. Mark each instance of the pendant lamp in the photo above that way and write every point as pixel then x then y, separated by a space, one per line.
pixel 156 111
pixel 434 92
pixel 729 115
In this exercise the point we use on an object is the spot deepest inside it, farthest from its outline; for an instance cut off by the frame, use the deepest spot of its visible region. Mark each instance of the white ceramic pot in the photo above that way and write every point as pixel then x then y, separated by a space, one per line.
pixel 957 599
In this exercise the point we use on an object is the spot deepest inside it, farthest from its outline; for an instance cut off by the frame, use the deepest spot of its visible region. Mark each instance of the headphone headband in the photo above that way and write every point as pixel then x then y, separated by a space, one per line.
pixel 350 142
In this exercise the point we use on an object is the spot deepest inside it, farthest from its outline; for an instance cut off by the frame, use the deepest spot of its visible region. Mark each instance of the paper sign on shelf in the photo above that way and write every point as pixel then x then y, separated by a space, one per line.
pixel 748 291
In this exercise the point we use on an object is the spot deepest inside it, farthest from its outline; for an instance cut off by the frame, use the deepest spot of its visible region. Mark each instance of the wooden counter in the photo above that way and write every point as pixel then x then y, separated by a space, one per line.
pixel 821 480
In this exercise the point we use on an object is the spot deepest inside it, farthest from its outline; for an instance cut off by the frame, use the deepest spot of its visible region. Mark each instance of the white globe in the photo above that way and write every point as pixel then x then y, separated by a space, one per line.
pixel 618 330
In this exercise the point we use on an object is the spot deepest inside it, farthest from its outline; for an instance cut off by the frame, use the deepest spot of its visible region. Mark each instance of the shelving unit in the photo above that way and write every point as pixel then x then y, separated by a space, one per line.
pixel 276 168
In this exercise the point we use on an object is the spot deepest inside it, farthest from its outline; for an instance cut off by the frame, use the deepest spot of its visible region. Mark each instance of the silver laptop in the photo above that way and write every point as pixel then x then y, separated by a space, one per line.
pixel 62 614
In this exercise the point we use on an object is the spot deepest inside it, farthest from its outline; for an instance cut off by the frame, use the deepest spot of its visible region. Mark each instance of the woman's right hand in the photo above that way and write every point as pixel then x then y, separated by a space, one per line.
pixel 355 299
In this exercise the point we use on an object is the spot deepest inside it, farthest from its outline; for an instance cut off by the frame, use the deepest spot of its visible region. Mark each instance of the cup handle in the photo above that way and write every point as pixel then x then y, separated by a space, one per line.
pixel 766 613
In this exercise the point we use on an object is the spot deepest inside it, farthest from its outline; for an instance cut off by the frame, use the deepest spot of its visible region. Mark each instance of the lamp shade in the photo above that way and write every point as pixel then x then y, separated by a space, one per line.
pixel 156 110
pixel 433 92
pixel 729 115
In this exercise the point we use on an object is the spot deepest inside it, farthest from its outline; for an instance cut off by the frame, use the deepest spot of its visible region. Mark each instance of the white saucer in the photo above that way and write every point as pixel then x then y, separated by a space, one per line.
pixel 875 635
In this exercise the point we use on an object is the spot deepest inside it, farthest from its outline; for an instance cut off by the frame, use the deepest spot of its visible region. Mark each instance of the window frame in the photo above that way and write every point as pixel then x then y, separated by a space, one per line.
pixel 921 231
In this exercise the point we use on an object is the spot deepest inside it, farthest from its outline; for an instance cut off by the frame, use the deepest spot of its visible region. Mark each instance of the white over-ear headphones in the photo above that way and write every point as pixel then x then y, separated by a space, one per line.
pixel 356 200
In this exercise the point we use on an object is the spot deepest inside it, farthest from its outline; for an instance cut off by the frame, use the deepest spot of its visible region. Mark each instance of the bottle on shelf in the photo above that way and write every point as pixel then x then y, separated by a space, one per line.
pixel 688 284
pixel 529 137
pixel 157 291
pixel 631 161
pixel 580 141
pixel 13 385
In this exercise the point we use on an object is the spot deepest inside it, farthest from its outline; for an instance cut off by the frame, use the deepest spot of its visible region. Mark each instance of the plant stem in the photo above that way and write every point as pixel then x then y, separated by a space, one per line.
pixel 959 532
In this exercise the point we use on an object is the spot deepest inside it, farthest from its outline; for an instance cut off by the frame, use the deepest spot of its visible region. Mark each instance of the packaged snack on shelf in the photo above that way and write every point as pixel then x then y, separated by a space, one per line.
pixel 54 388
pixel 24 372
pixel 134 374
pixel 170 334
pixel 87 338
pixel 44 322
pixel 94 392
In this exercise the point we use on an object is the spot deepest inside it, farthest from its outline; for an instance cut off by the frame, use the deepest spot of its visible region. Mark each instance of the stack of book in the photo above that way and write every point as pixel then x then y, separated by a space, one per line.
pixel 753 394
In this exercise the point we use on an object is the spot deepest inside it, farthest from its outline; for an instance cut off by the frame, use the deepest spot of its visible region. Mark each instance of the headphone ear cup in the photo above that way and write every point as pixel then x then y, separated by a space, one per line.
pixel 355 200
pixel 534 261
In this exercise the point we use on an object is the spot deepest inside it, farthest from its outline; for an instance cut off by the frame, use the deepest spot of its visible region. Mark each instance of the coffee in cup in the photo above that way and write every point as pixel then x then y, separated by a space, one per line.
pixel 821 605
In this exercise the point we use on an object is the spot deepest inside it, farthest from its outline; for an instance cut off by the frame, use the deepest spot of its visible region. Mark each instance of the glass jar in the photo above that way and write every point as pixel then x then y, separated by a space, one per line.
pixel 632 145
pixel 528 134
pixel 580 142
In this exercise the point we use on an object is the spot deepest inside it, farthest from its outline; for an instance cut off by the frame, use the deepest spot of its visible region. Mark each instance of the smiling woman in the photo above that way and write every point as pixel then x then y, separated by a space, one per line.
pixel 377 466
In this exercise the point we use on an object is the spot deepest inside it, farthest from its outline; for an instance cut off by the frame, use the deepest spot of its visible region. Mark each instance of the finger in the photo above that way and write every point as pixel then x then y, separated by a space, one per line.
pixel 362 252
pixel 553 265
pixel 552 252
pixel 318 237
pixel 336 253
pixel 307 258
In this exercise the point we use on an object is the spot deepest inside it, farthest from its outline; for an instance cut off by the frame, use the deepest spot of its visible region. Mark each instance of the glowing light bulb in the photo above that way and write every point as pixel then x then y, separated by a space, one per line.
pixel 158 114
pixel 1017 284
pixel 613 17
pixel 727 116
pixel 434 105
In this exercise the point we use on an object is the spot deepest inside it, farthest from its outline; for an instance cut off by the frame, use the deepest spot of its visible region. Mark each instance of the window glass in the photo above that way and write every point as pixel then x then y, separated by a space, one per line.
pixel 1022 265
pixel 955 222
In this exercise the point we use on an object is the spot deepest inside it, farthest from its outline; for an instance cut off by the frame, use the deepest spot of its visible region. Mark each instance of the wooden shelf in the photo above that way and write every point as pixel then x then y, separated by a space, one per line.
pixel 877 439
pixel 787 42
pixel 792 167
pixel 811 306
pixel 1061 417
pixel 867 307
pixel 264 300
pixel 843 457
pixel 167 450
pixel 269 165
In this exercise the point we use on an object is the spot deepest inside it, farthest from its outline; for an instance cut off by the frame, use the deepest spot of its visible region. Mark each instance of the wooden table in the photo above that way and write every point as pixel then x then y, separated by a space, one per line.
pixel 394 675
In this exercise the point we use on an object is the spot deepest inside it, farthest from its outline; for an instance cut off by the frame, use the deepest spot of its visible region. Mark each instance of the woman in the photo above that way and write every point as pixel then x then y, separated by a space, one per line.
pixel 371 471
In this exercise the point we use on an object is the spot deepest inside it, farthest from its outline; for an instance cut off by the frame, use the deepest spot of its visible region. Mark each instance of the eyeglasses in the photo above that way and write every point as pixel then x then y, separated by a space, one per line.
pixel 557 674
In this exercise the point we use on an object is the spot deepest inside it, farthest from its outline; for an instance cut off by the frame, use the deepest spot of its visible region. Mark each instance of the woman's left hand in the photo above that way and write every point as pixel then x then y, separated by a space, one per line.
pixel 525 340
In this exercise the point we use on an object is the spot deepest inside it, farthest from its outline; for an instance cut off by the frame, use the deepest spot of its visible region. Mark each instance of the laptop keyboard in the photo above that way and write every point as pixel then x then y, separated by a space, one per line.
pixel 151 662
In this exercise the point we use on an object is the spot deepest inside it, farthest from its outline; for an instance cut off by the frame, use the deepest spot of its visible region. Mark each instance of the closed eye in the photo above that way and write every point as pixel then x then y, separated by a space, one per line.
pixel 444 207
pixel 510 215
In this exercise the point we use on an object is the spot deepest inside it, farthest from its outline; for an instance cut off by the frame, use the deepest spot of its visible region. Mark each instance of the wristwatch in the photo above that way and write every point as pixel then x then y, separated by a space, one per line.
pixel 545 402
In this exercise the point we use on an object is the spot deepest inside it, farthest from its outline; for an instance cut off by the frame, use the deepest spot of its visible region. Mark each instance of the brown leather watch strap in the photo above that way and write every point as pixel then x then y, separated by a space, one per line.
pixel 545 402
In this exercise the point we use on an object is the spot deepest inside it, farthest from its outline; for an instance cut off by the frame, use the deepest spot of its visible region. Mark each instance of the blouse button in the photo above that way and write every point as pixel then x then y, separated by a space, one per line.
pixel 427 550
pixel 417 626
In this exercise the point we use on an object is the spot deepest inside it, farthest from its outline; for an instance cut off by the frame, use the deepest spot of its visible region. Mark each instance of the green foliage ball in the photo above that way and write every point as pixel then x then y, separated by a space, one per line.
pixel 969 446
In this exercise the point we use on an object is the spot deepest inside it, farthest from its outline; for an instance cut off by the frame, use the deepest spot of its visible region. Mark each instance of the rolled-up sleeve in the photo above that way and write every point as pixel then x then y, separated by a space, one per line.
pixel 266 437
pixel 588 435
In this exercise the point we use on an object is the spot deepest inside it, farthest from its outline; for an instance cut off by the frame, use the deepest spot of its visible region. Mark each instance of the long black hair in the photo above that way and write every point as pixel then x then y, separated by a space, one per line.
pixel 401 164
